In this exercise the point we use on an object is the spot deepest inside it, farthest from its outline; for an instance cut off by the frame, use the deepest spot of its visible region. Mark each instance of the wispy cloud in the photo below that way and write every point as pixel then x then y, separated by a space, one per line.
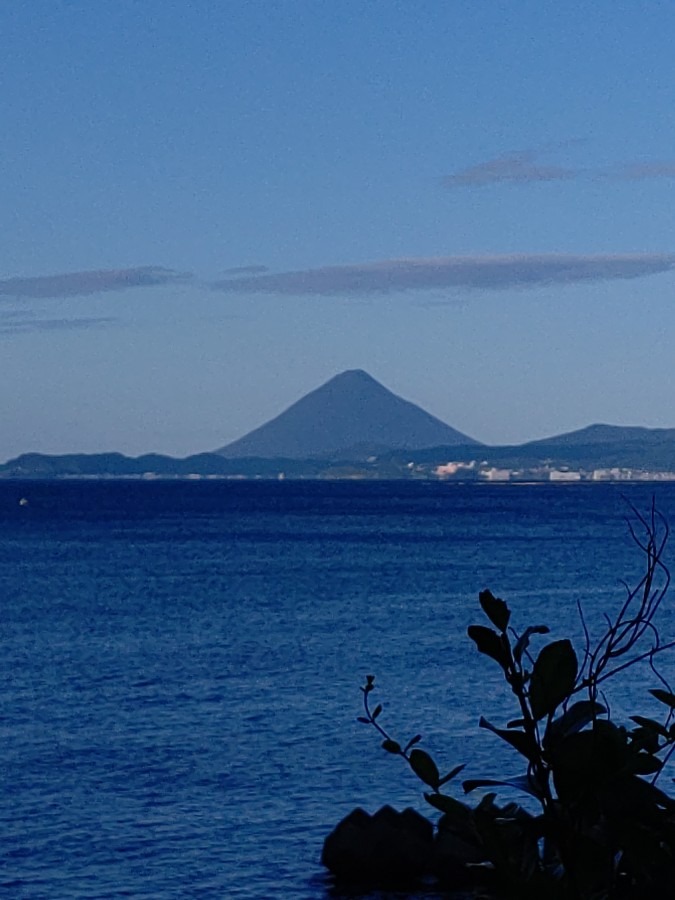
pixel 520 167
pixel 77 284
pixel 638 171
pixel 245 270
pixel 524 167
pixel 462 272
pixel 13 324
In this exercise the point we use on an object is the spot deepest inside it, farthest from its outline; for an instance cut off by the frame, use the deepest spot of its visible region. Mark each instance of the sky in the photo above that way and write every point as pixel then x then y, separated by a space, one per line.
pixel 208 209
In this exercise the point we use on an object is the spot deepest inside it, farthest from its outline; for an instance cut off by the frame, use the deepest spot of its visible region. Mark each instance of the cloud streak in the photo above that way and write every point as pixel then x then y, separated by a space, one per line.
pixel 78 284
pixel 245 270
pixel 452 272
pixel 15 324
pixel 639 171
pixel 511 168
pixel 523 168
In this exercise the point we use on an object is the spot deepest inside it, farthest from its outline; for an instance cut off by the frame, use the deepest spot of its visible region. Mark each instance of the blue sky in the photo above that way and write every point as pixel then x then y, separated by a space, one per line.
pixel 210 208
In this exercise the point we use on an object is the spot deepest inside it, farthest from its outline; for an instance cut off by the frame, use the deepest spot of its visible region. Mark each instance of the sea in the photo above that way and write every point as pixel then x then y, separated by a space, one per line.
pixel 181 663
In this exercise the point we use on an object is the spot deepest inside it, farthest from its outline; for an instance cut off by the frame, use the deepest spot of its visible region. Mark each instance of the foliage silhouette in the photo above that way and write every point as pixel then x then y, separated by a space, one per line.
pixel 603 829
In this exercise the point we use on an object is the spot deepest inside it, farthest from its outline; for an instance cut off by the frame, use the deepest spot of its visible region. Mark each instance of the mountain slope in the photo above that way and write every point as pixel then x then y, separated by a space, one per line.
pixel 606 434
pixel 350 413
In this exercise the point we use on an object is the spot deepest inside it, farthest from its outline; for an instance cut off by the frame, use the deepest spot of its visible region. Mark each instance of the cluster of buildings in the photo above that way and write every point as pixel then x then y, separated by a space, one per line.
pixel 483 471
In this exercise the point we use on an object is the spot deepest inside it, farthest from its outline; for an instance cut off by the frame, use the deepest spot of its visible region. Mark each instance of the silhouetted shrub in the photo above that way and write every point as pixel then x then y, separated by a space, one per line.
pixel 602 827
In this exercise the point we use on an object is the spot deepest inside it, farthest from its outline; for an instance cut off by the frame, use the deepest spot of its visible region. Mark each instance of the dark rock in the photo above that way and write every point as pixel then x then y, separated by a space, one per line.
pixel 386 849
pixel 401 851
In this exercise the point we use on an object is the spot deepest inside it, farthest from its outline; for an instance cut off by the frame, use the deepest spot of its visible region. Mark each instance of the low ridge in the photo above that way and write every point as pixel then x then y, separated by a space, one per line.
pixel 606 434
pixel 352 411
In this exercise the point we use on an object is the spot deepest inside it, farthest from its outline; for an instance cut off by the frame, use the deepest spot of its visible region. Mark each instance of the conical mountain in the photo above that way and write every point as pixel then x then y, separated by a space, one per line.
pixel 348 415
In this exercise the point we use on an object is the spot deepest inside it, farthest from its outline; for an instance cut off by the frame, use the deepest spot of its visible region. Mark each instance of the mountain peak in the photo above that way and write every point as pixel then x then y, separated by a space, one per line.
pixel 353 374
pixel 350 410
pixel 352 378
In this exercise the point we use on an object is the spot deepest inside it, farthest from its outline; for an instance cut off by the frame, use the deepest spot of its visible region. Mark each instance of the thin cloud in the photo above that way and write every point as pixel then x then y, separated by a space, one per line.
pixel 523 168
pixel 639 171
pixel 12 325
pixel 511 168
pixel 245 270
pixel 77 284
pixel 461 272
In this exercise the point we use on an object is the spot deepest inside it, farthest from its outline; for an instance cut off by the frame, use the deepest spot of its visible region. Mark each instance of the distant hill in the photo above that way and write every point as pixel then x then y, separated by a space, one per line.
pixel 115 465
pixel 350 416
pixel 646 455
pixel 649 453
pixel 607 434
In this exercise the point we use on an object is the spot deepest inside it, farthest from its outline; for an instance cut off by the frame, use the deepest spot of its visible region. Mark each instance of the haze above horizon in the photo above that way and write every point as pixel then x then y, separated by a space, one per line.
pixel 211 209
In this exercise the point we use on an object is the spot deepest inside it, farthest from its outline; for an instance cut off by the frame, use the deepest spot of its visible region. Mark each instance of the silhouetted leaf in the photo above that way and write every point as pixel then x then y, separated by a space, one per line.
pixel 363 719
pixel 391 746
pixel 664 696
pixel 553 677
pixel 451 774
pixel 458 813
pixel 584 761
pixel 424 767
pixel 578 716
pixel 377 710
pixel 495 609
pixel 413 741
pixel 646 764
pixel 645 739
pixel 520 783
pixel 635 791
pixel 489 643
pixel 524 640
pixel 651 725
pixel 522 742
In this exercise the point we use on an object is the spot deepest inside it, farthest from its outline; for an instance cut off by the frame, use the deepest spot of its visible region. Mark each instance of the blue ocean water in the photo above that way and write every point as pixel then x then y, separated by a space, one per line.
pixel 181 661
